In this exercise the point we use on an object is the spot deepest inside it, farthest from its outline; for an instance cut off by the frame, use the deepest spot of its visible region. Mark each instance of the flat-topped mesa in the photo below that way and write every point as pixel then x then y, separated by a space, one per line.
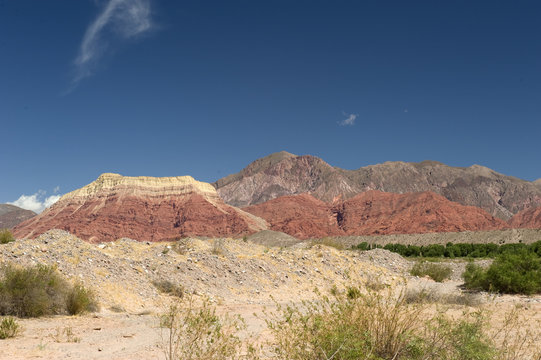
pixel 108 183
pixel 142 208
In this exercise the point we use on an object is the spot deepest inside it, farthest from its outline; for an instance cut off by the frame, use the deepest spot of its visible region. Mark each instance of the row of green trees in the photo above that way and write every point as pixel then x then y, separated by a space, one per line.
pixel 452 250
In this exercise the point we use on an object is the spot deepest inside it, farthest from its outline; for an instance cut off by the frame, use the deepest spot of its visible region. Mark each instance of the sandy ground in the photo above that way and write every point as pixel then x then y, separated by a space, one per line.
pixel 238 276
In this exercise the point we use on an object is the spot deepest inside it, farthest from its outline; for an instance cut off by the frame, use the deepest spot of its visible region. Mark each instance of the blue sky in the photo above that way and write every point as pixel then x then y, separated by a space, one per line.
pixel 202 88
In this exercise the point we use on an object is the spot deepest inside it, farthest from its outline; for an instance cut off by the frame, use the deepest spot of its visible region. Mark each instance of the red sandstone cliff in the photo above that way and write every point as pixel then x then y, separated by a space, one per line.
pixel 142 208
pixel 372 212
pixel 529 218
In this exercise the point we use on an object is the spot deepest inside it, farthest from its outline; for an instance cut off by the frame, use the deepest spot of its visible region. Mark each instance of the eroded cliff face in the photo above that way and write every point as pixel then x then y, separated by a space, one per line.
pixel 527 219
pixel 142 208
pixel 372 213
pixel 287 174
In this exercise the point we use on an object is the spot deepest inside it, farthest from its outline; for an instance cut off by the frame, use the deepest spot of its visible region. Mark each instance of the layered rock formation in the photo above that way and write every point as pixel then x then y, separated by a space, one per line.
pixel 11 215
pixel 301 216
pixel 287 174
pixel 371 213
pixel 142 208
pixel 527 219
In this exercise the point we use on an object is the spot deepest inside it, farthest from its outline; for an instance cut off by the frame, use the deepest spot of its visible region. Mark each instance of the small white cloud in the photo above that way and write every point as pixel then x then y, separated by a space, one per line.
pixel 119 19
pixel 405 110
pixel 36 202
pixel 56 190
pixel 350 119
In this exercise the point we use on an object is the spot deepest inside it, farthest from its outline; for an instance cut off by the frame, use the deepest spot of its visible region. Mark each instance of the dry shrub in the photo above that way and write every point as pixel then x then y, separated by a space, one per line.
pixel 327 241
pixel 40 290
pixel 169 287
pixel 437 272
pixel 6 236
pixel 9 328
pixel 385 326
pixel 193 332
pixel 431 296
pixel 218 247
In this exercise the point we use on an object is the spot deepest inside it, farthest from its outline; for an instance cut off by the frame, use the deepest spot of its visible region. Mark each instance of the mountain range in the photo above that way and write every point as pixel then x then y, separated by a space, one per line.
pixel 302 196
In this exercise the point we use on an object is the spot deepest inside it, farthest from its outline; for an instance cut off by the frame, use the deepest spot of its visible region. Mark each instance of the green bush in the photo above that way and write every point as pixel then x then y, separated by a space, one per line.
pixel 39 290
pixel 81 300
pixel 513 272
pixel 437 272
pixel 451 250
pixel 6 236
pixel 8 328
pixel 375 327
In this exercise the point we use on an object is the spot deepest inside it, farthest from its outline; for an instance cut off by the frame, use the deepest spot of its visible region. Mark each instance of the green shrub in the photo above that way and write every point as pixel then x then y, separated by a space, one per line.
pixel 169 287
pixel 437 272
pixel 513 272
pixel 198 333
pixel 6 236
pixel 39 290
pixel 81 300
pixel 376 327
pixel 8 328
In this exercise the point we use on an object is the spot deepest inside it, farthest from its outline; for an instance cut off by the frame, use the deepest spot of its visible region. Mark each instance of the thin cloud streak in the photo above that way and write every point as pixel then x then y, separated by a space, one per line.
pixel 119 19
pixel 350 120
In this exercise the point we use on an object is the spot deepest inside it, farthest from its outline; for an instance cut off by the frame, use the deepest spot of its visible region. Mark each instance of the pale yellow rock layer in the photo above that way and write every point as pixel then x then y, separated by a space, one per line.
pixel 177 185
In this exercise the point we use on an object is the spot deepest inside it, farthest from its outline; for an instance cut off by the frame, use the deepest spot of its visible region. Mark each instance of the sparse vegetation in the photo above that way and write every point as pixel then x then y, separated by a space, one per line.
pixel 437 272
pixel 6 236
pixel 512 273
pixel 218 247
pixel 327 241
pixel 376 326
pixel 40 290
pixel 169 287
pixel 8 328
pixel 198 333
pixel 80 300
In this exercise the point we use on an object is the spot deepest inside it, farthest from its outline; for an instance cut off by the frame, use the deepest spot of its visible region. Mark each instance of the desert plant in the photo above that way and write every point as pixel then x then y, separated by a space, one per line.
pixel 8 328
pixel 39 290
pixel 512 272
pixel 437 272
pixel 6 236
pixel 80 300
pixel 218 247
pixel 169 287
pixel 377 326
pixel 328 241
pixel 198 333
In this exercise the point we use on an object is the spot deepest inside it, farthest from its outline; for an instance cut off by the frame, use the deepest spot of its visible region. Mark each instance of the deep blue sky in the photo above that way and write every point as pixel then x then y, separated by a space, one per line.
pixel 205 87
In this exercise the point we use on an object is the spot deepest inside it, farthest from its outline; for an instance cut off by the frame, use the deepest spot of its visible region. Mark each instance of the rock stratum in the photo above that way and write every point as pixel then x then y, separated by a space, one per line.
pixel 11 215
pixel 142 208
pixel 283 173
pixel 527 219
pixel 372 213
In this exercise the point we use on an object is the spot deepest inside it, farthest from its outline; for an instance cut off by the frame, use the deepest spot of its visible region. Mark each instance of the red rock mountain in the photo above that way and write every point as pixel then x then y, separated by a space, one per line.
pixel 283 173
pixel 529 218
pixel 142 208
pixel 11 215
pixel 371 213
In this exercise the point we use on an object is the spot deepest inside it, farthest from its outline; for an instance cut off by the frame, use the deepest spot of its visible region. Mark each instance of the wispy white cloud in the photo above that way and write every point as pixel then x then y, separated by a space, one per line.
pixel 118 20
pixel 36 202
pixel 349 120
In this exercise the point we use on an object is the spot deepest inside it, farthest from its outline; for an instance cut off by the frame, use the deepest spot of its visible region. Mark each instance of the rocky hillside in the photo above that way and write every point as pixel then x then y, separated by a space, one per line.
pixel 372 213
pixel 287 174
pixel 11 215
pixel 142 208
pixel 528 219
